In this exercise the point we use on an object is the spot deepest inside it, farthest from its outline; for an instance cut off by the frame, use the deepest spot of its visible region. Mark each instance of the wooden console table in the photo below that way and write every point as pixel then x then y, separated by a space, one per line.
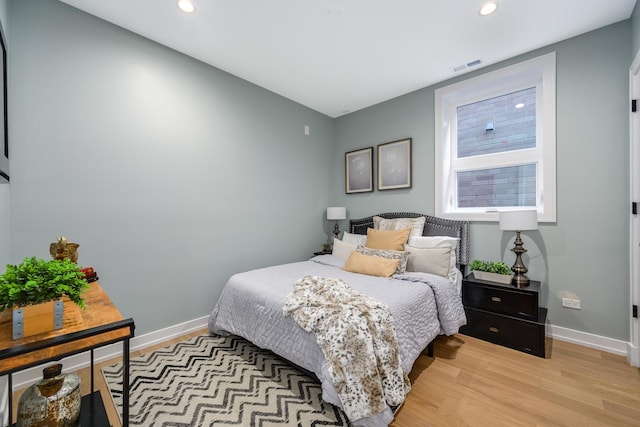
pixel 98 325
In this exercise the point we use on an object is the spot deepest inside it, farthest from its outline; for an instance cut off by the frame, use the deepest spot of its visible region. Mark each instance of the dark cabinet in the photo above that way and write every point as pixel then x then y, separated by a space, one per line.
pixel 505 315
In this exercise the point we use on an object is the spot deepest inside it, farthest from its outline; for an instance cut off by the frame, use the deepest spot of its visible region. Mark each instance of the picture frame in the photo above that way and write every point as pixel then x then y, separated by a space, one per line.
pixel 4 157
pixel 394 165
pixel 358 170
pixel 4 115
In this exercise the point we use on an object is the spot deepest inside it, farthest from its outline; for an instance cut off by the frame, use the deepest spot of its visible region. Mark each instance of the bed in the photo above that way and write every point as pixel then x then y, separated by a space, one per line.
pixel 422 305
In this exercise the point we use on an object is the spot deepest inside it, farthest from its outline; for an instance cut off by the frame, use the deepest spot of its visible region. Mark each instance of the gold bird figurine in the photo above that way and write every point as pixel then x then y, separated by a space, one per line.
pixel 63 249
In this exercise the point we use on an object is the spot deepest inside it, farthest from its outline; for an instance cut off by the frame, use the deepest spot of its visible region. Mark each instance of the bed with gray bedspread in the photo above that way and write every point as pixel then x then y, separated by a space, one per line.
pixel 422 305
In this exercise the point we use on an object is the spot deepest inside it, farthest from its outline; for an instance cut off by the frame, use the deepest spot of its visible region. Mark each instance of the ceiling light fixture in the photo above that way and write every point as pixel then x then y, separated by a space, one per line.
pixel 488 8
pixel 520 105
pixel 186 6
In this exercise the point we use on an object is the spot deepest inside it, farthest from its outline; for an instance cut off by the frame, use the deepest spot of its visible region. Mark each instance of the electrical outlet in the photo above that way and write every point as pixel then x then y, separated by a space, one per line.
pixel 571 303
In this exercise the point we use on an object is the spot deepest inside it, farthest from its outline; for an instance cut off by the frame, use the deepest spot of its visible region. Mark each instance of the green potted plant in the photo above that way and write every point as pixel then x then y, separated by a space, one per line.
pixel 494 271
pixel 36 281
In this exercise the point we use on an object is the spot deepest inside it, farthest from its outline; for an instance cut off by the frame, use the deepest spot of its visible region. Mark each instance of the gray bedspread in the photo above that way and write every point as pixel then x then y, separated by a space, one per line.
pixel 250 306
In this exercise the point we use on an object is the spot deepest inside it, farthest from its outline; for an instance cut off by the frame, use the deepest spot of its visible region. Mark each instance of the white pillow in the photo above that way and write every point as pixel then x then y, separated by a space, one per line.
pixel 433 241
pixel 416 224
pixel 432 260
pixel 354 239
pixel 342 250
pixel 426 242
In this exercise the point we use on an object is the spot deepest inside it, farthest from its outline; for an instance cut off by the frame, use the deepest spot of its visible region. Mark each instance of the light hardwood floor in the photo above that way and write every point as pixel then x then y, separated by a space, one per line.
pixel 474 383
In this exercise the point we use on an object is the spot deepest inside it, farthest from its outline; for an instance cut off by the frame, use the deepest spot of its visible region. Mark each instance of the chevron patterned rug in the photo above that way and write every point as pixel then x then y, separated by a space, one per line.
pixel 211 380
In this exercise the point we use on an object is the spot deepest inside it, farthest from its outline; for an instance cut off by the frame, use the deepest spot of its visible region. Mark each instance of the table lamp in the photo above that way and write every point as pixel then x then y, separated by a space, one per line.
pixel 336 214
pixel 519 221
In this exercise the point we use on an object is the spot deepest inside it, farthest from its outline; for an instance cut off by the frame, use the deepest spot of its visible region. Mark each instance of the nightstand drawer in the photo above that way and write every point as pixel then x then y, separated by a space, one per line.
pixel 510 301
pixel 520 334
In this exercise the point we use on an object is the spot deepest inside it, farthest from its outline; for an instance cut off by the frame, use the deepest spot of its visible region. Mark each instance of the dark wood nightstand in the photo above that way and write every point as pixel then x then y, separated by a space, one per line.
pixel 505 315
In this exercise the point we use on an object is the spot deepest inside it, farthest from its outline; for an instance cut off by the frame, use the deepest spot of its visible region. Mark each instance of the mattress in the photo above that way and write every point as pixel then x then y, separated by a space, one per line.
pixel 250 306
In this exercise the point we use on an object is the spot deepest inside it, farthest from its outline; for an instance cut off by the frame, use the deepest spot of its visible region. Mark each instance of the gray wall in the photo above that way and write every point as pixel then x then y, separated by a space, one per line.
pixel 635 30
pixel 170 174
pixel 586 253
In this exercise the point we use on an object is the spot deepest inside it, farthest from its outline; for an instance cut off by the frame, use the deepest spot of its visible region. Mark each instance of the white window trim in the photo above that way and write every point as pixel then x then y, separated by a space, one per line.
pixel 539 72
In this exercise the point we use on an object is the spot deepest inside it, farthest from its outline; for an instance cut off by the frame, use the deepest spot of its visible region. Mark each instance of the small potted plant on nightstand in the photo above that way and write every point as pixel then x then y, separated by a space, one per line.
pixel 493 271
pixel 34 282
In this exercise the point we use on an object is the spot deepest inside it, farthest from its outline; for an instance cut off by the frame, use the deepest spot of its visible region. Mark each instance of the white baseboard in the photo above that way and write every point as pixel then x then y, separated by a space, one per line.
pixel 610 345
pixel 633 355
pixel 30 376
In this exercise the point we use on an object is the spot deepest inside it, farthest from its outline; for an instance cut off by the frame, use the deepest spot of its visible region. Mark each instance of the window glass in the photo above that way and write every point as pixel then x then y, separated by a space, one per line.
pixel 497 187
pixel 502 123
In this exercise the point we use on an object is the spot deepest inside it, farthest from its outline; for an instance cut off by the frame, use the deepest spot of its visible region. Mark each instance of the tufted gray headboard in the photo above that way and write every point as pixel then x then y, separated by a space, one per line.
pixel 433 226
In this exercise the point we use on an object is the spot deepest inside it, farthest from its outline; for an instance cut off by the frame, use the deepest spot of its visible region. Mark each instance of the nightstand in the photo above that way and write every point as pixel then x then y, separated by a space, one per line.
pixel 505 315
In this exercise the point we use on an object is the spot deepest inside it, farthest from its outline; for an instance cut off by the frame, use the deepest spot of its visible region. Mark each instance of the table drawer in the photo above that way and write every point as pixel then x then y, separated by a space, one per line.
pixel 520 334
pixel 511 302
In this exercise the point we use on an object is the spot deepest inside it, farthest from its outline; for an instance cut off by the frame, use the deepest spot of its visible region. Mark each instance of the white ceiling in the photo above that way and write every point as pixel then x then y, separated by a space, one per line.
pixel 337 56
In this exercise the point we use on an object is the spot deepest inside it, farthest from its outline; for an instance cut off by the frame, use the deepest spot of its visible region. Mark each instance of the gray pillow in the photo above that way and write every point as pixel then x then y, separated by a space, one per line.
pixel 429 260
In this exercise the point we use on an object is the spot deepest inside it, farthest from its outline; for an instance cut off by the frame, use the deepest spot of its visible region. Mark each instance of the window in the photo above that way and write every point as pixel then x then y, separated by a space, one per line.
pixel 495 143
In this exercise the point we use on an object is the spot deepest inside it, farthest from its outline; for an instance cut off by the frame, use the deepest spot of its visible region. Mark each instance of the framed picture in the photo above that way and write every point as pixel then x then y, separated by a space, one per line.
pixel 4 157
pixel 358 168
pixel 394 165
pixel 3 103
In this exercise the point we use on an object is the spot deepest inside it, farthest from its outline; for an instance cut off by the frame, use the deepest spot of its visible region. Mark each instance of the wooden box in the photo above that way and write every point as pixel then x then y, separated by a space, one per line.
pixel 36 319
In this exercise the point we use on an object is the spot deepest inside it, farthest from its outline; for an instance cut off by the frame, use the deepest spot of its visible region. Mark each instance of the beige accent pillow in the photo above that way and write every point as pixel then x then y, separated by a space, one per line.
pixel 432 260
pixel 416 224
pixel 427 242
pixel 401 256
pixel 341 249
pixel 371 265
pixel 380 239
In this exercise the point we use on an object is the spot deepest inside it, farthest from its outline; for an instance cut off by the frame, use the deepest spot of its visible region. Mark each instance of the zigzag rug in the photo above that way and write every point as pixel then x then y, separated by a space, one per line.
pixel 211 380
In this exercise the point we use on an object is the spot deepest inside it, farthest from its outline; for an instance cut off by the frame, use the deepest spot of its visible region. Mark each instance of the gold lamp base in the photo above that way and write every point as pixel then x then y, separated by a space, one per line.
pixel 336 230
pixel 520 279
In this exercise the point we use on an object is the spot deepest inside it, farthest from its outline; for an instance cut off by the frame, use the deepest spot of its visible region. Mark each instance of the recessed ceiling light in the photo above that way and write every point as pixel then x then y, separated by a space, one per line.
pixel 186 6
pixel 519 105
pixel 488 8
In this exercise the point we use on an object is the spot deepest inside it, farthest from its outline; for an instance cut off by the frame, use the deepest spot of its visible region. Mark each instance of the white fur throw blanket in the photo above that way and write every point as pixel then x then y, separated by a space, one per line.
pixel 357 336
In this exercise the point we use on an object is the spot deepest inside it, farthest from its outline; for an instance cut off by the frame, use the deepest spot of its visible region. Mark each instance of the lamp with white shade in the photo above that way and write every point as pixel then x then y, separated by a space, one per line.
pixel 336 214
pixel 521 220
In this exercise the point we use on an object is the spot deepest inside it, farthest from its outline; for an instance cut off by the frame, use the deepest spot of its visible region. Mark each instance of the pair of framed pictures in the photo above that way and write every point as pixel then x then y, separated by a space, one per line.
pixel 394 167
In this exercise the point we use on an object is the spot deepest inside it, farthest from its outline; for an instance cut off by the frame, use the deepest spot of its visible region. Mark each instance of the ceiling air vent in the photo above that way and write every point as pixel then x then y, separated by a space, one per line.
pixel 467 65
